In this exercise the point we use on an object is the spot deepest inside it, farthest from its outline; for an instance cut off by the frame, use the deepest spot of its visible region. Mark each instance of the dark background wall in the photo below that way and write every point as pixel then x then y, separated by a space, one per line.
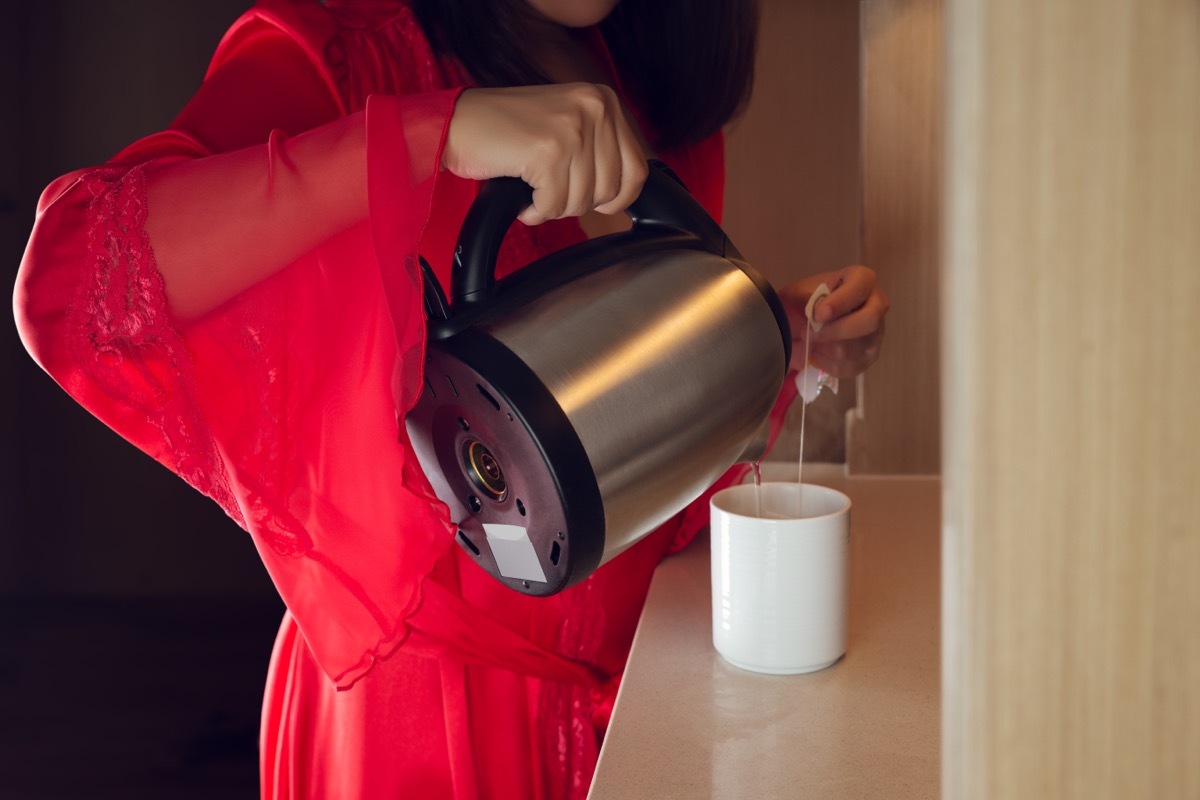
pixel 83 513
pixel 135 618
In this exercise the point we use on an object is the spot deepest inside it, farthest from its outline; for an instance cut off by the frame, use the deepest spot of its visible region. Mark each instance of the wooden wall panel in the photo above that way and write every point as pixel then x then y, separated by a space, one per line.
pixel 792 199
pixel 1072 459
pixel 896 428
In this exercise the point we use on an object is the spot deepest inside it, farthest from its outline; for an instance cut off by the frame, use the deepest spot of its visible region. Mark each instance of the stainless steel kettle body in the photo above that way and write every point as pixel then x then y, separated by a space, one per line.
pixel 573 407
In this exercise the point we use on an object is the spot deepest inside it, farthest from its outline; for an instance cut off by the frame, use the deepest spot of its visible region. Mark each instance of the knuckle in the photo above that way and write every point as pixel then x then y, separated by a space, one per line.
pixel 591 103
pixel 549 202
pixel 605 192
pixel 590 96
pixel 551 147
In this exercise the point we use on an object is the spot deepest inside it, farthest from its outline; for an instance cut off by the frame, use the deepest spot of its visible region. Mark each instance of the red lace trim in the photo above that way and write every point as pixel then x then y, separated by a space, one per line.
pixel 123 339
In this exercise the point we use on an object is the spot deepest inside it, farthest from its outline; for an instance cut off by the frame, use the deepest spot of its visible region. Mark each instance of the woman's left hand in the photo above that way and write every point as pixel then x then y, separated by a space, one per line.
pixel 851 317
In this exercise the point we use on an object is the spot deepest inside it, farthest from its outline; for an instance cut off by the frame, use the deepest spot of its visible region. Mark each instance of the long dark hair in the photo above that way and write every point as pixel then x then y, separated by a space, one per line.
pixel 688 64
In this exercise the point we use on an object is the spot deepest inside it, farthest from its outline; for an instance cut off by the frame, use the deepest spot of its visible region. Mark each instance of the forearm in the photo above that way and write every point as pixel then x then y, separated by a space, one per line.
pixel 218 225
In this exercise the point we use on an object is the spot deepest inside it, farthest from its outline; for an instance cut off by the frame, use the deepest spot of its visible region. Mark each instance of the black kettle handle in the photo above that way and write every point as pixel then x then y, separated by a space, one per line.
pixel 663 204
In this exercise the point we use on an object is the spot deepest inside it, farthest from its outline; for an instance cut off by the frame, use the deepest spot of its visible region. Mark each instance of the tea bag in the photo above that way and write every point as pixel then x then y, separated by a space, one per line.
pixel 811 380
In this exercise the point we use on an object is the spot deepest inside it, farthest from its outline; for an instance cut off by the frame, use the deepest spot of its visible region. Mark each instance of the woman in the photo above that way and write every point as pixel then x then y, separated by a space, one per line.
pixel 235 295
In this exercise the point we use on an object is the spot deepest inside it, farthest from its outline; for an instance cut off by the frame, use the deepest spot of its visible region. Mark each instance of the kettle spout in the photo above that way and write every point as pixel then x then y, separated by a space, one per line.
pixel 756 448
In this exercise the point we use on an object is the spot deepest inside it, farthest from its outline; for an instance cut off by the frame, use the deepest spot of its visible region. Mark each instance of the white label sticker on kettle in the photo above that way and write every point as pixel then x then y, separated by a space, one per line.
pixel 513 551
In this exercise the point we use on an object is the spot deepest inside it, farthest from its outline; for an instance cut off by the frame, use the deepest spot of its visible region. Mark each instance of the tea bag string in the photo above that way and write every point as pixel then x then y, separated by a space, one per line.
pixel 808 373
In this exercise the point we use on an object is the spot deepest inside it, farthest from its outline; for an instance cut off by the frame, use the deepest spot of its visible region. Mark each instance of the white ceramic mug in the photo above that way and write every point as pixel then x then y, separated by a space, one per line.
pixel 779 581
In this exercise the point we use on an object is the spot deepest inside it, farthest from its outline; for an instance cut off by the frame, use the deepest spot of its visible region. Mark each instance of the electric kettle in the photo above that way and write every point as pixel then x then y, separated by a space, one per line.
pixel 571 408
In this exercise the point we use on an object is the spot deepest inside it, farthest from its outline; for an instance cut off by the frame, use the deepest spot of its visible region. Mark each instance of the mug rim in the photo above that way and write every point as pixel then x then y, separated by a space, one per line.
pixel 844 507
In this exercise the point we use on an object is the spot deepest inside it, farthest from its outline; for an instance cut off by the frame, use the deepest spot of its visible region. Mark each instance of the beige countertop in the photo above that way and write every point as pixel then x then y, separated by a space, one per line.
pixel 688 725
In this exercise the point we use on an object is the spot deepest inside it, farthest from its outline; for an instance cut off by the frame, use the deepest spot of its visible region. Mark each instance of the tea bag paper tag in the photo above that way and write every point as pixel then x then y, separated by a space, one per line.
pixel 820 294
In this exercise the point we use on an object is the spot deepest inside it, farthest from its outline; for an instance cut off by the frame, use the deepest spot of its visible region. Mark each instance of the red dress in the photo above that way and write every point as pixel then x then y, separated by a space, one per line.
pixel 401 669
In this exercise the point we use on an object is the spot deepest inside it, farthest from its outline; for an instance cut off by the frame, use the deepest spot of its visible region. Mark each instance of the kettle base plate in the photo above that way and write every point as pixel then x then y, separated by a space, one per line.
pixel 491 467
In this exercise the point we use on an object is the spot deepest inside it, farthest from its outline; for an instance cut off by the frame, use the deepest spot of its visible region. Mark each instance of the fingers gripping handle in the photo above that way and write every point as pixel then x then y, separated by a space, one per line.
pixel 664 202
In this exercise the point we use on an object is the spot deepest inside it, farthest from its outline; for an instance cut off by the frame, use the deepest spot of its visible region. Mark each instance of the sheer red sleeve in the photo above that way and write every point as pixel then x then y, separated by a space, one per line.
pixel 279 402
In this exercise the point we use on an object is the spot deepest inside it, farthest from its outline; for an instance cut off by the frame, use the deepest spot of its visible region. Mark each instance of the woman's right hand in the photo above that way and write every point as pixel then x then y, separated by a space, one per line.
pixel 573 143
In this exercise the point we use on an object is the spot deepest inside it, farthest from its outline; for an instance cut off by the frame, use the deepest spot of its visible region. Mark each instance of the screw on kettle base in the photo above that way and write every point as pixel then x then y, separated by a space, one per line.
pixel 462 423
pixel 474 503
pixel 520 507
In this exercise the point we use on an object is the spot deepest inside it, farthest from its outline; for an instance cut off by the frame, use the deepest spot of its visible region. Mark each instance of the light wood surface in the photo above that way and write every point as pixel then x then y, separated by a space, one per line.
pixel 896 428
pixel 1072 461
